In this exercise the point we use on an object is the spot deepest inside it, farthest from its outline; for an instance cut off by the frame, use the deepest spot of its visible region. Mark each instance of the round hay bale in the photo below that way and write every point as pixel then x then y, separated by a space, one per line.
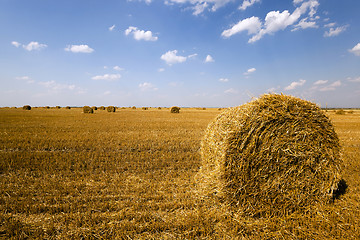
pixel 175 109
pixel 340 112
pixel 67 107
pixel 94 107
pixel 273 156
pixel 144 108
pixel 111 109
pixel 27 107
pixel 87 109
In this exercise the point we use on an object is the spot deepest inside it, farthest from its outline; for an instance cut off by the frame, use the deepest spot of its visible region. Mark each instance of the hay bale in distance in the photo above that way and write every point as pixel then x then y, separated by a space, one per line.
pixel 87 109
pixel 340 112
pixel 111 109
pixel 102 108
pixel 94 107
pixel 272 156
pixel 175 109
pixel 145 108
pixel 27 107
pixel 67 107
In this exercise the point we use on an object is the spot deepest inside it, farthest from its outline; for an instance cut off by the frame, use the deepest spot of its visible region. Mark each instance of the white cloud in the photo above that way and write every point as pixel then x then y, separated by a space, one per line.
pixel 303 24
pixel 249 71
pixel 209 59
pixel 231 90
pixel 161 69
pixel 199 6
pixel 294 85
pixel 354 79
pixel 53 85
pixel 356 50
pixel 107 77
pixel 34 46
pixel 107 93
pixel 297 1
pixel 273 89
pixel 320 82
pixel 223 80
pixel 16 44
pixel 146 86
pixel 117 68
pixel 192 55
pixel 335 31
pixel 329 25
pixel 23 78
pixel 170 57
pixel 275 21
pixel 112 28
pixel 252 25
pixel 331 87
pixel 79 48
pixel 140 34
pixel 247 3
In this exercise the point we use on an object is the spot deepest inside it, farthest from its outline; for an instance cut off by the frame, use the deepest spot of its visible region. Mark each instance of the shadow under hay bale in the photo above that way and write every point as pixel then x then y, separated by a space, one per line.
pixel 273 156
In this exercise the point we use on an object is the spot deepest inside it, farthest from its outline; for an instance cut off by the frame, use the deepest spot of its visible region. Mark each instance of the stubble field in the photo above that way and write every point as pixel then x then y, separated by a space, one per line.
pixel 130 175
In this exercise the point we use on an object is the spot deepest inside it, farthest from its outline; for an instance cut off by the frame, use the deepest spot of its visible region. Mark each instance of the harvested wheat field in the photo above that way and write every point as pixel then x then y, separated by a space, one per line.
pixel 134 174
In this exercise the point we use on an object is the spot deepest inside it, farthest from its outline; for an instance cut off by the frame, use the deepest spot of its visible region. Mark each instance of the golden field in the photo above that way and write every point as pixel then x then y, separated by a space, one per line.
pixel 130 175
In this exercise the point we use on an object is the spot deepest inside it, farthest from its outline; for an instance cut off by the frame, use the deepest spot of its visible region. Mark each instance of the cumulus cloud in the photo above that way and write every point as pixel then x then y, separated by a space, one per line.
pixel 356 50
pixel 209 59
pixel 247 3
pixel 275 21
pixel 112 28
pixel 223 80
pixel 249 71
pixel 332 32
pixel 294 85
pixel 171 57
pixel 79 48
pixel 161 69
pixel 252 25
pixel 107 77
pixel 320 82
pixel 16 44
pixel 34 46
pixel 140 34
pixel 146 86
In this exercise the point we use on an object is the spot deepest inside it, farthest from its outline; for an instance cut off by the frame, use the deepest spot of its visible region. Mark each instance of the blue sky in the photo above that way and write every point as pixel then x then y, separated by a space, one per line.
pixel 210 53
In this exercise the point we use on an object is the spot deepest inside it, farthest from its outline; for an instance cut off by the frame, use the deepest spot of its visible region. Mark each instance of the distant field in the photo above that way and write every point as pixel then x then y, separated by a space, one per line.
pixel 129 175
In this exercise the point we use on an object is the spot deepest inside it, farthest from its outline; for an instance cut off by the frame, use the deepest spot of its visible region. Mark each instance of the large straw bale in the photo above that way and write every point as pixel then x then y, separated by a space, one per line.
pixel 272 156
pixel 175 109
